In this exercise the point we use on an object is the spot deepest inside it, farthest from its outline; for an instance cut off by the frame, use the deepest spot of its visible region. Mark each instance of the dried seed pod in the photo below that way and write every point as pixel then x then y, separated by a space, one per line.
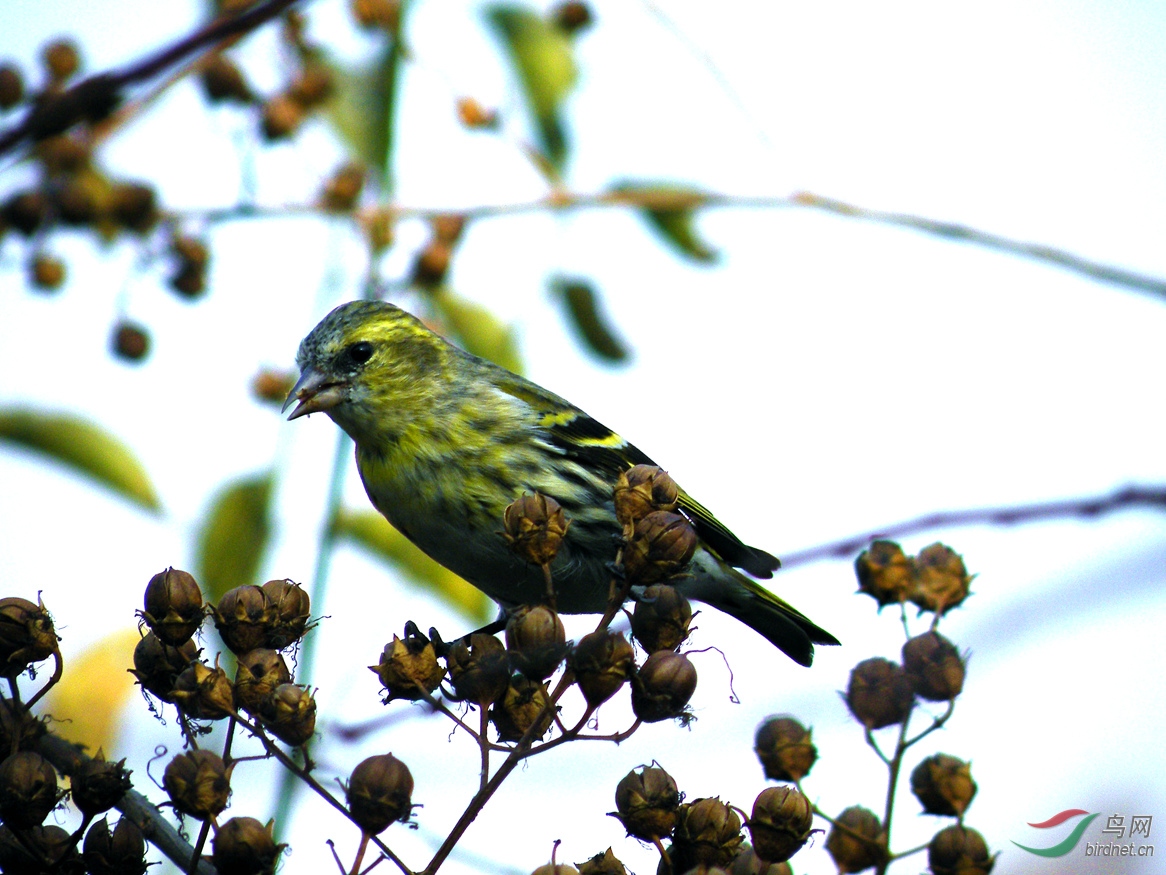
pixel 244 846
pixel 662 686
pixel 536 641
pixel 572 16
pixel 121 851
pixel 157 665
pixel 19 730
pixel 601 661
pixel 281 117
pixel 781 823
pixel 188 280
pixel 343 188
pixel 660 547
pixel 431 264
pixel 11 86
pixel 935 667
pixel 98 785
pixel 259 672
pixel 941 579
pixel 290 609
pixel 173 606
pixel 289 713
pixel 861 845
pixel 40 849
pixel 958 850
pixel 244 618
pixel 76 203
pixel 748 863
pixel 409 668
pixel 134 206
pixel 28 789
pixel 61 59
pixel 25 211
pixel 222 80
pixel 516 710
pixel 63 154
pixel 880 693
pixel 26 635
pixel 478 668
pixel 885 573
pixel 198 783
pixel 603 864
pixel 313 86
pixel 647 803
pixel 785 748
pixel 708 833
pixel 47 272
pixel 204 693
pixel 272 386
pixel 641 490
pixel 448 227
pixel 379 792
pixel 943 785
pixel 130 341
pixel 661 618
pixel 377 14
pixel 535 527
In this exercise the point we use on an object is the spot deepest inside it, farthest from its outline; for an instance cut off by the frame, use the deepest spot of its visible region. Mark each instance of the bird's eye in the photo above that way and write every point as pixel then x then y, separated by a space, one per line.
pixel 360 352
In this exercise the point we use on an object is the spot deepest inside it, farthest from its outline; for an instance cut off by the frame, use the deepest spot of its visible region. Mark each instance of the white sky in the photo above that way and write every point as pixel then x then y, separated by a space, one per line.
pixel 848 375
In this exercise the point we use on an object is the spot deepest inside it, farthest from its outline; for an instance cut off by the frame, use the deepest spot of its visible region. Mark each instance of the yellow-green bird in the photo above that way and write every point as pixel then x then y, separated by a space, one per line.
pixel 446 440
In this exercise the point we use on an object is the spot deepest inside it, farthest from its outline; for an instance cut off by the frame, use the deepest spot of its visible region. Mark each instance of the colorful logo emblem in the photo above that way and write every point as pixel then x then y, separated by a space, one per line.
pixel 1069 842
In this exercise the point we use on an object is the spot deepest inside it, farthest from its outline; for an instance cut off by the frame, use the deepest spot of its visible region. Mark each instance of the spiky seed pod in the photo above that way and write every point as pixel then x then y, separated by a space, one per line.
pixel 289 713
pixel 647 803
pixel 198 783
pixel 885 573
pixel 935 667
pixel 661 618
pixel 535 527
pixel 157 665
pixel 861 845
pixel 223 81
pixel 660 547
pixel 942 581
pixel 379 792
pixel 129 341
pixel 244 846
pixel 258 673
pixel 478 668
pixel 19 730
pixel 409 668
pixel 536 641
pixel 603 864
pixel 121 851
pixel 173 606
pixel 781 823
pixel 748 863
pixel 28 789
pixel 40 849
pixel 785 748
pixel 516 710
pixel 602 661
pixel 958 850
pixel 662 686
pixel 640 490
pixel 943 785
pixel 290 609
pixel 708 833
pixel 98 785
pixel 26 635
pixel 880 693
pixel 244 618
pixel 204 693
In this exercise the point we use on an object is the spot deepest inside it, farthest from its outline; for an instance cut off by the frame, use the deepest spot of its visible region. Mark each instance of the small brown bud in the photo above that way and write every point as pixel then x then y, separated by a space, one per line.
pixel 379 792
pixel 272 386
pixel 880 693
pixel 198 783
pixel 785 748
pixel 98 785
pixel 603 864
pixel 343 188
pixel 861 845
pixel 432 264
pixel 244 618
pixel 222 80
pixel 173 606
pixel 28 789
pixel 11 86
pixel 641 490
pixel 290 607
pixel 475 116
pixel 133 206
pixel 781 823
pixel 535 527
pixel 282 117
pixel 536 641
pixel 61 59
pixel 708 833
pixel 885 573
pixel 572 16
pixel 40 849
pixel 662 686
pixel 934 666
pixel 313 86
pixel 661 547
pixel 958 850
pixel 289 713
pixel 259 672
pixel 943 785
pixel 518 709
pixel 602 661
pixel 204 693
pixel 121 851
pixel 26 635
pixel 647 803
pixel 409 666
pixel 661 618
pixel 748 863
pixel 25 211
pixel 47 272
pixel 377 14
pixel 157 665
pixel 244 846
pixel 130 341
pixel 478 668
pixel 941 579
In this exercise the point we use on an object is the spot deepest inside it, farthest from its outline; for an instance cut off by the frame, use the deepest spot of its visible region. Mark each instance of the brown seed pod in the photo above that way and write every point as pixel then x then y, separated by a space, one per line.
pixel 518 709
pixel 409 668
pixel 281 117
pixel 662 686
pixel 61 59
pixel 259 672
pixel 660 547
pixel 781 823
pixel 173 606
pixel 343 188
pixel 572 16
pixel 377 14
pixel 28 789
pixel 290 609
pixel 244 618
pixel 11 86
pixel 708 833
pixel 134 206
pixel 26 635
pixel 602 661
pixel 379 792
pixel 39 849
pixel 98 785
pixel 943 785
pixel 536 641
pixel 198 783
pixel 204 693
pixel 535 527
pixel 603 864
pixel 478 668
pixel 935 667
pixel 941 579
pixel 958 850
pixel 647 803
pixel 641 490
pixel 880 693
pixel 121 851
pixel 244 846
pixel 289 713
pixel 785 748
pixel 130 341
pixel 46 272
pixel 861 845
pixel 885 573
pixel 661 618
pixel 223 81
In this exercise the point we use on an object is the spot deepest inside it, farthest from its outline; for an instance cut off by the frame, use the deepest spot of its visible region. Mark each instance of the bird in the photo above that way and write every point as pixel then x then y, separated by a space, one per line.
pixel 446 440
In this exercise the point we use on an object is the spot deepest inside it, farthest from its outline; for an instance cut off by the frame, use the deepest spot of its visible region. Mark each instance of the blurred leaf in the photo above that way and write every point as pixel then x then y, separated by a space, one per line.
pixel 588 319
pixel 234 535
pixel 542 58
pixel 373 532
pixel 361 109
pixel 86 704
pixel 673 219
pixel 83 446
pixel 478 330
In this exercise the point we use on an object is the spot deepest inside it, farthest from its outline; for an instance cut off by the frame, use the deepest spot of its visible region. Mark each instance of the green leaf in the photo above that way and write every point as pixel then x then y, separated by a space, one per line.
pixel 83 446
pixel 478 330
pixel 670 211
pixel 373 532
pixel 585 315
pixel 234 535
pixel 543 61
pixel 362 108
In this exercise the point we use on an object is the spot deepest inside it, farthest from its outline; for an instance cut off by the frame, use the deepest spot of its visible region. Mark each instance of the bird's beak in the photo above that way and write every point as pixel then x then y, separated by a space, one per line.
pixel 315 393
